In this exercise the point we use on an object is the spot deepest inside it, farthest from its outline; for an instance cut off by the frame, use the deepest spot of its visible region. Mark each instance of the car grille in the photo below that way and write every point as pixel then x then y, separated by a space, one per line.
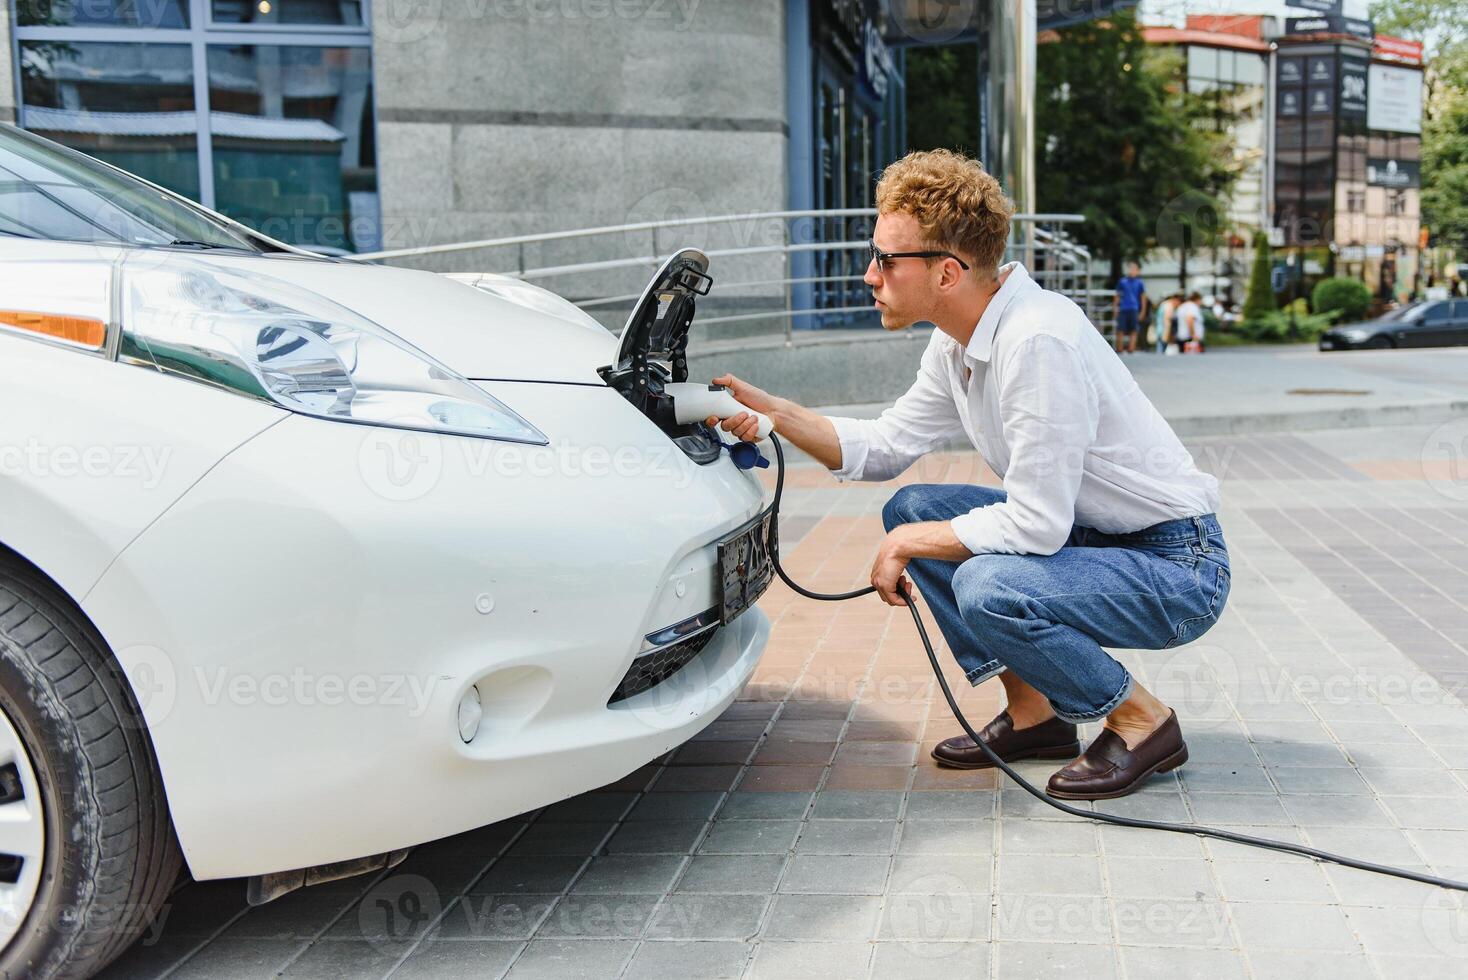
pixel 651 669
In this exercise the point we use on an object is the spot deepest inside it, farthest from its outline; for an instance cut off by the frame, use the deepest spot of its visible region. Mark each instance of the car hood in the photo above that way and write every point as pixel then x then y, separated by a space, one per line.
pixel 481 335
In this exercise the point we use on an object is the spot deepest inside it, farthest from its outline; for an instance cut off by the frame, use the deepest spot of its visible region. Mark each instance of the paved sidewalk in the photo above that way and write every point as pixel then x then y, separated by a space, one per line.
pixel 1291 388
pixel 808 834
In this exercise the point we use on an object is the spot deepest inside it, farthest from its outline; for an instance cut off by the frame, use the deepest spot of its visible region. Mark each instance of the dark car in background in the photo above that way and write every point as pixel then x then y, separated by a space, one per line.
pixel 1435 323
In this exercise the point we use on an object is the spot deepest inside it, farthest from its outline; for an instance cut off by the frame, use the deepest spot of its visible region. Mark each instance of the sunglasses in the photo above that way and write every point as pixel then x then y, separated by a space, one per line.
pixel 882 258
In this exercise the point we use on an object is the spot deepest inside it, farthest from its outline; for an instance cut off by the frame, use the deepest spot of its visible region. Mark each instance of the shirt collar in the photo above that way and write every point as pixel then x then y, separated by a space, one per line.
pixel 1014 279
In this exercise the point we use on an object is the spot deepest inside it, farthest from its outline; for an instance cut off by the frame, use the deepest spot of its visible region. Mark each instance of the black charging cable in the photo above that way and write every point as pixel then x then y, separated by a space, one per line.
pixel 1177 828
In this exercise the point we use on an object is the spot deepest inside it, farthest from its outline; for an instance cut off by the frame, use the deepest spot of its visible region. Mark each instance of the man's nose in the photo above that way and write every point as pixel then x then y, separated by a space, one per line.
pixel 873 276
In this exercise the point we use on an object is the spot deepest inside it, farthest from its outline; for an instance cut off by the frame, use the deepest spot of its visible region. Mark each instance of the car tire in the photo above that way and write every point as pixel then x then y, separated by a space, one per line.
pixel 78 774
pixel 1380 343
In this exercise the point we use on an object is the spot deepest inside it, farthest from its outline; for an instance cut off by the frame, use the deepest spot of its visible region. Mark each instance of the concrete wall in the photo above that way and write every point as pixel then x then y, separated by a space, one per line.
pixel 8 98
pixel 824 367
pixel 506 117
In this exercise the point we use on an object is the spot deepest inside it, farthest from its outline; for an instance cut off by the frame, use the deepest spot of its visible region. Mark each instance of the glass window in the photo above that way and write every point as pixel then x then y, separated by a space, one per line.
pixel 1202 62
pixel 131 105
pixel 294 155
pixel 172 14
pixel 1249 68
pixel 346 13
pixel 52 193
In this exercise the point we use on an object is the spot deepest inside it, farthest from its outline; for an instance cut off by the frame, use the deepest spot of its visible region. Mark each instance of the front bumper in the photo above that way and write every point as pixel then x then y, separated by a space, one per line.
pixel 302 626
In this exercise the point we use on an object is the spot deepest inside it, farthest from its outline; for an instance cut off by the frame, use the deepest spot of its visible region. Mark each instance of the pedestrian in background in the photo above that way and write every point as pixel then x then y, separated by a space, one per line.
pixel 1190 325
pixel 1165 323
pixel 1129 306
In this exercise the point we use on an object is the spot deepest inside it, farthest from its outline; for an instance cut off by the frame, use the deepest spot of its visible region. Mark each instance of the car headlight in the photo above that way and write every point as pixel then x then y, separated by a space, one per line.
pixel 269 339
pixel 1354 336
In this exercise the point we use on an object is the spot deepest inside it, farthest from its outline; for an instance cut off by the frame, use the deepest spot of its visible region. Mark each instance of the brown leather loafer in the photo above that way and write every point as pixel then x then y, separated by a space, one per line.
pixel 1109 769
pixel 1053 739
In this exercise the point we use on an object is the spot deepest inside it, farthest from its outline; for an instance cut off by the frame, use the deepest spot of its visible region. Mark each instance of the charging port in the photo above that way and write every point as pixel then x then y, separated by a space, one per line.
pixel 653 350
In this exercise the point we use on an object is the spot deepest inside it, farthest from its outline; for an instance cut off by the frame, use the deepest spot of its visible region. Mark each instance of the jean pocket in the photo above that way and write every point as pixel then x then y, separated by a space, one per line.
pixel 1214 591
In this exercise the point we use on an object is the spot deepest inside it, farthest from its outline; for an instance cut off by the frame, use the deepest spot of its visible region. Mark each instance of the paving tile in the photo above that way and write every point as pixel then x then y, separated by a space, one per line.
pixel 722 874
pixel 539 875
pixel 675 806
pixel 1145 877
pixel 823 917
pixel 494 917
pixel 1171 963
pixel 689 961
pixel 1272 926
pixel 458 960
pixel 1052 918
pixel 1285 880
pixel 857 804
pixel 931 918
pixel 1049 874
pixel 930 961
pixel 1283 964
pixel 941 874
pixel 946 837
pixel 1438 926
pixel 764 806
pixel 958 805
pixel 836 874
pixel 750 837
pixel 597 917
pixel 846 837
pixel 561 959
pixel 1172 922
pixel 691 916
pixel 786 960
pixel 660 837
pixel 1048 837
pixel 1054 960
pixel 628 873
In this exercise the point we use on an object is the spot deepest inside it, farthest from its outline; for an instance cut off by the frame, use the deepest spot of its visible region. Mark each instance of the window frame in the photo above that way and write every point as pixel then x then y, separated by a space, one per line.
pixel 201 33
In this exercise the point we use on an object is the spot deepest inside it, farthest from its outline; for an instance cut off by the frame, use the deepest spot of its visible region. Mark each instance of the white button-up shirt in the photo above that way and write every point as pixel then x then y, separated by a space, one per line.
pixel 1053 411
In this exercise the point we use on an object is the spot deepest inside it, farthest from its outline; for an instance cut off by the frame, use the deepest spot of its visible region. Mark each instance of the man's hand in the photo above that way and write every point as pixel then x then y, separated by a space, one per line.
pixel 927 539
pixel 887 571
pixel 744 425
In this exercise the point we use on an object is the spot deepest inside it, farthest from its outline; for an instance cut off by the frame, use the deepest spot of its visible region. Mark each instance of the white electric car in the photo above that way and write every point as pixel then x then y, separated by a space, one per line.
pixel 304 561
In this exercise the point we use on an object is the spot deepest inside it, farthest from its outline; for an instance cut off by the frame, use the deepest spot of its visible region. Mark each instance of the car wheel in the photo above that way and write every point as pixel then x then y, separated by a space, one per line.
pixel 1380 343
pixel 87 852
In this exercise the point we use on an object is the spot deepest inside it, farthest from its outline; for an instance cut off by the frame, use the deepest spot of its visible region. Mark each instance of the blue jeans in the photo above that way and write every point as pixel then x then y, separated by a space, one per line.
pixel 1047 617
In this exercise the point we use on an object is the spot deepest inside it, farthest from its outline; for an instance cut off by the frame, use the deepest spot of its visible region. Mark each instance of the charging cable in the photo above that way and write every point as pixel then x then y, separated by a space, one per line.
pixel 1177 828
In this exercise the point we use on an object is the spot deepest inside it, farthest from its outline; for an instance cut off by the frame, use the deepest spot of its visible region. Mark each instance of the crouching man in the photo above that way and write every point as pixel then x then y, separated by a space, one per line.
pixel 1104 533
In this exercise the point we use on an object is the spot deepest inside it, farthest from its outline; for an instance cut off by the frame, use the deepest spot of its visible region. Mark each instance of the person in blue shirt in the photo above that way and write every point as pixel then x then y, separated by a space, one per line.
pixel 1129 307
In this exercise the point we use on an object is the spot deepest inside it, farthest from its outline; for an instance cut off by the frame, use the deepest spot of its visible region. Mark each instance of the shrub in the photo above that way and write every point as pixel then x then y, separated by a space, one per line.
pixel 1259 299
pixel 1274 327
pixel 1351 298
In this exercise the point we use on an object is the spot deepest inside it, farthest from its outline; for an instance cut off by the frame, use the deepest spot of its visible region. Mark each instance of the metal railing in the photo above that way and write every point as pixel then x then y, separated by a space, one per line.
pixel 779 268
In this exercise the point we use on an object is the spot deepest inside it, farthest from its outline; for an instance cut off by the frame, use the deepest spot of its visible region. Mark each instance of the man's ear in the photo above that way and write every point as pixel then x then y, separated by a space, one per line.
pixel 952 274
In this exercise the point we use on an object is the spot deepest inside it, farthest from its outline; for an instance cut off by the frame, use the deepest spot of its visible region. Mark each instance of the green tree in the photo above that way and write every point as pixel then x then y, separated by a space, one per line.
pixel 1260 298
pixel 1120 140
pixel 943 99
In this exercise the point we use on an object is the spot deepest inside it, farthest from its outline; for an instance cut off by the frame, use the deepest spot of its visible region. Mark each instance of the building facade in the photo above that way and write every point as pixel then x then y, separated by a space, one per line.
pixel 1326 119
